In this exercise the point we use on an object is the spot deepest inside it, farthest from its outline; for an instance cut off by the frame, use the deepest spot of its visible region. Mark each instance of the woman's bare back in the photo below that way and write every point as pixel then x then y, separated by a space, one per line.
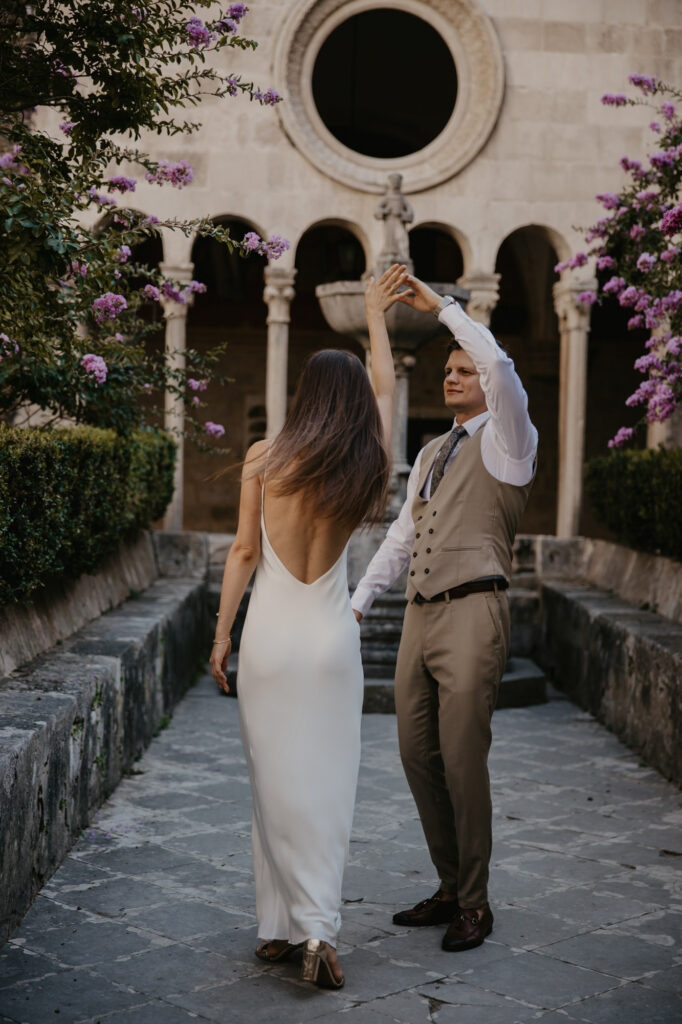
pixel 307 547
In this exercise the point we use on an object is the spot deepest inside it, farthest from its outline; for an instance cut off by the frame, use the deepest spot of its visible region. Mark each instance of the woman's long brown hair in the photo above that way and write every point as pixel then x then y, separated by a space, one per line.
pixel 331 447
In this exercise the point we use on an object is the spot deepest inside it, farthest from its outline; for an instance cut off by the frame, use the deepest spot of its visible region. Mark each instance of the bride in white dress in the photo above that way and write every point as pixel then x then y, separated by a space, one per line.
pixel 300 679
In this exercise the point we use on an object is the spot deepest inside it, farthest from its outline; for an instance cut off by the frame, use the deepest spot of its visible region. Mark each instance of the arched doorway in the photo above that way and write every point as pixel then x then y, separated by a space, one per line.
pixel 438 260
pixel 325 253
pixel 525 324
pixel 231 312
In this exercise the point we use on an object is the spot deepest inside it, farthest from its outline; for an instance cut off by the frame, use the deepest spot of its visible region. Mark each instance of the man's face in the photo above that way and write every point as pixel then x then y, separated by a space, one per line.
pixel 462 388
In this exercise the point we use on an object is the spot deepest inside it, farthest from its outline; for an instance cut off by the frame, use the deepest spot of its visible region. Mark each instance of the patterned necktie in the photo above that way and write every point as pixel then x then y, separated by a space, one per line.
pixel 444 454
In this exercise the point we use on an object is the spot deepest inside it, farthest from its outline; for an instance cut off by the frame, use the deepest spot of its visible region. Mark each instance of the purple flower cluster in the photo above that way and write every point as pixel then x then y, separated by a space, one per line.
pixel 273 248
pixel 7 347
pixel 101 200
pixel 108 306
pixel 623 435
pixel 8 161
pixel 609 200
pixel 614 285
pixel 122 254
pixel 637 232
pixel 232 85
pixel 645 262
pixel 214 429
pixel 67 127
pixel 668 255
pixel 587 298
pixel 647 83
pixel 579 260
pixel 672 221
pixel 609 100
pixel 605 263
pixel 171 291
pixel 79 268
pixel 95 366
pixel 198 34
pixel 197 385
pixel 668 111
pixel 178 174
pixel 268 98
pixel 121 184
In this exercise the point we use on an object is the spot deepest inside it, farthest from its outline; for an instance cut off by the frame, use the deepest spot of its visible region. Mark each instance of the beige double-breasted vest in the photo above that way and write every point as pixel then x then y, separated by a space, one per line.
pixel 467 529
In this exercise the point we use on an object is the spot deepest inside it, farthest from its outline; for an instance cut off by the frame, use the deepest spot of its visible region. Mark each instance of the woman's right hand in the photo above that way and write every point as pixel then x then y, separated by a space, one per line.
pixel 382 294
pixel 218 662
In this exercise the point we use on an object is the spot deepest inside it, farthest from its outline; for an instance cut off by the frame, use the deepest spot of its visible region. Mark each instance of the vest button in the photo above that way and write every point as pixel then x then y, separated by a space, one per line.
pixel 426 571
pixel 411 572
pixel 433 513
pixel 430 530
pixel 428 551
pixel 418 535
pixel 419 517
pixel 414 554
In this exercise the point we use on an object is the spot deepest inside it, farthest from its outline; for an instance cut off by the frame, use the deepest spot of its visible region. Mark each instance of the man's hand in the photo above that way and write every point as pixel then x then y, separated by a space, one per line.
pixel 419 295
pixel 357 614
pixel 380 295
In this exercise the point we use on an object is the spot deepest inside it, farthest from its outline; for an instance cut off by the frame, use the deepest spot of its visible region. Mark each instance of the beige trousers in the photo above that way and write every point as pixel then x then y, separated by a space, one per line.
pixel 451 659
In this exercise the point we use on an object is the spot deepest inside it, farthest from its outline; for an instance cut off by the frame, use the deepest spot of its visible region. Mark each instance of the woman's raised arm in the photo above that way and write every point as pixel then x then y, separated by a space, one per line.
pixel 379 296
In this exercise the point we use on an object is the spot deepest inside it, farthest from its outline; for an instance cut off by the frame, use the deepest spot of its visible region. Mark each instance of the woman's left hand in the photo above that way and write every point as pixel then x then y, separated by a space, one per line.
pixel 380 295
pixel 218 662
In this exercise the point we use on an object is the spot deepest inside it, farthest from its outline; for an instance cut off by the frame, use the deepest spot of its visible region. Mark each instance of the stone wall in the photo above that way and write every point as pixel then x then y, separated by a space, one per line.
pixel 74 719
pixel 610 636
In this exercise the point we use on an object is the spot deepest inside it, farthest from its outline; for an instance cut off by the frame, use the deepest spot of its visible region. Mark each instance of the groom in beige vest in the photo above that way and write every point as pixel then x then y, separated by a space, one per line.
pixel 465 498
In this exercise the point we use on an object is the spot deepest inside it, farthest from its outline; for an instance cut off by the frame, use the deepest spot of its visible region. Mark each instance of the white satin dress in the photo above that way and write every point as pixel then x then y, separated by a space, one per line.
pixel 300 688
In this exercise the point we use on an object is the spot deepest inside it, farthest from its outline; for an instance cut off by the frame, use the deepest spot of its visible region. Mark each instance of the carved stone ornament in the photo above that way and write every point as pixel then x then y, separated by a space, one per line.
pixel 475 48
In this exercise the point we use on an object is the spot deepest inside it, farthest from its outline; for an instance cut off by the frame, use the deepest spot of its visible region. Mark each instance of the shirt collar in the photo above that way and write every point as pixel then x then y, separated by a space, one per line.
pixel 475 423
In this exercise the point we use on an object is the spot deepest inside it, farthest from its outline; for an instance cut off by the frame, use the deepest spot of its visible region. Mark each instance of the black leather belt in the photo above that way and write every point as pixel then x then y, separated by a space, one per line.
pixel 474 587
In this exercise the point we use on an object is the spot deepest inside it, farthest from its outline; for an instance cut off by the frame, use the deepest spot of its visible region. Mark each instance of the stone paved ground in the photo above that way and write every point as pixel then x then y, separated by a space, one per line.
pixel 150 919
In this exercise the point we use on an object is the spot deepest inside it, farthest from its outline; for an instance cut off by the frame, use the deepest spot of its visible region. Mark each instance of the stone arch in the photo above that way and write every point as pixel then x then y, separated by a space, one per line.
pixel 344 225
pixel 328 250
pixel 461 254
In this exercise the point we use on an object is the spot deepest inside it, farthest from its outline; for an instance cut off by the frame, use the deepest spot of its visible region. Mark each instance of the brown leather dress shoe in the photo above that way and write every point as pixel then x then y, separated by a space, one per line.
pixel 468 930
pixel 434 910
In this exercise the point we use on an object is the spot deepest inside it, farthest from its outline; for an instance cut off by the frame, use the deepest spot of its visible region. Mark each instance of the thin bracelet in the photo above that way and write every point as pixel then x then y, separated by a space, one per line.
pixel 218 642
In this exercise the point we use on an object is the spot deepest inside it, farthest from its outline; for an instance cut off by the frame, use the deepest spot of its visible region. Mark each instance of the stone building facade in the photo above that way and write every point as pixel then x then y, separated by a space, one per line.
pixel 490 109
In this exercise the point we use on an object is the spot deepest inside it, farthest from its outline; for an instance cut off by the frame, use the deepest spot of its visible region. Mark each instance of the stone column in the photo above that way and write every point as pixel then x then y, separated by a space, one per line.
pixel 574 329
pixel 484 292
pixel 278 295
pixel 175 314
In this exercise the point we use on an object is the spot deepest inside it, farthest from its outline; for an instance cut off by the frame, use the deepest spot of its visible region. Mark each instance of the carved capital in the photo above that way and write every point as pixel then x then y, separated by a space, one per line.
pixel 573 314
pixel 279 293
pixel 484 292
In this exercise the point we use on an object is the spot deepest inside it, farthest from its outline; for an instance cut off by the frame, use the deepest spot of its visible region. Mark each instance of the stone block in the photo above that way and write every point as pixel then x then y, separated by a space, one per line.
pixel 564 36
pixel 559 558
pixel 522 685
pixel 181 553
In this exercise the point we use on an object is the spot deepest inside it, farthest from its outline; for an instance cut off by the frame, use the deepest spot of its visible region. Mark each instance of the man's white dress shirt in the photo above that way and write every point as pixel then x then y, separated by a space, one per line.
pixel 508 447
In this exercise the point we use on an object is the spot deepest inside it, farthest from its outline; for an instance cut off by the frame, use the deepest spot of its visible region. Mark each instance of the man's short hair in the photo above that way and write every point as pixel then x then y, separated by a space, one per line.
pixel 453 346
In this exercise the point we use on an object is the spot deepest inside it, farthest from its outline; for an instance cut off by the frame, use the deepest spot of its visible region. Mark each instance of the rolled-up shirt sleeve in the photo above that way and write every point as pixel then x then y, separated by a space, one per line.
pixel 510 440
pixel 394 554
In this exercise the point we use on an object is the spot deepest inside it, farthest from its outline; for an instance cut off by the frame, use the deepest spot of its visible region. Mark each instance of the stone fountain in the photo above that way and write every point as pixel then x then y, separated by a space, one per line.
pixel 343 306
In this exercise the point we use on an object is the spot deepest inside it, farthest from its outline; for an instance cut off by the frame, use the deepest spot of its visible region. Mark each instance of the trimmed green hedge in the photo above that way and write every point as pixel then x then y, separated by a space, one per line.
pixel 69 496
pixel 638 495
